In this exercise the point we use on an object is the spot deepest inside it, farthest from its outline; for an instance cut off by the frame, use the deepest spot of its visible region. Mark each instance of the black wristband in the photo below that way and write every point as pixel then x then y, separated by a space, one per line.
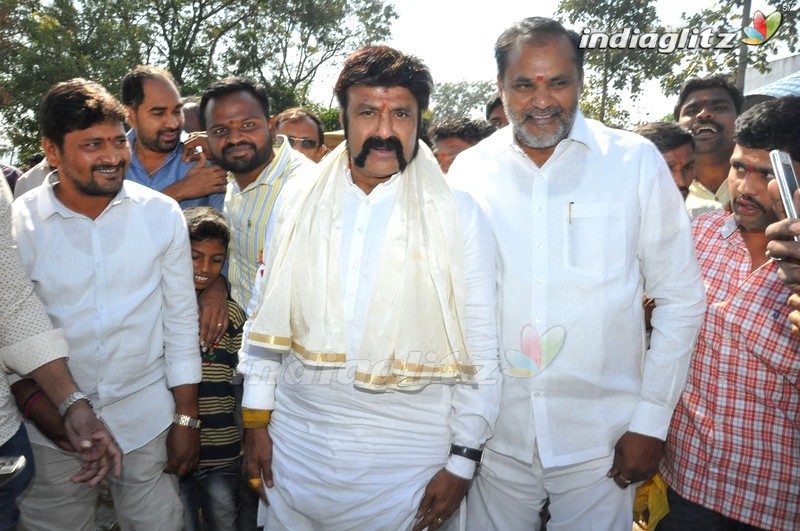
pixel 470 453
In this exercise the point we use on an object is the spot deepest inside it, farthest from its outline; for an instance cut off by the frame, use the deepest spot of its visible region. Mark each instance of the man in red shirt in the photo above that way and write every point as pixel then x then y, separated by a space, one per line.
pixel 733 449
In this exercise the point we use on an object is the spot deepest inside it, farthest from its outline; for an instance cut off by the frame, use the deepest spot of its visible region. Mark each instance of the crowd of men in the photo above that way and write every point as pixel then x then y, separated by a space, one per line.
pixel 418 351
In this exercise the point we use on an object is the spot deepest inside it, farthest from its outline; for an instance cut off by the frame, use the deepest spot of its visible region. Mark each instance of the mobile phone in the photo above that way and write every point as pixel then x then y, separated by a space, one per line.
pixel 10 467
pixel 787 180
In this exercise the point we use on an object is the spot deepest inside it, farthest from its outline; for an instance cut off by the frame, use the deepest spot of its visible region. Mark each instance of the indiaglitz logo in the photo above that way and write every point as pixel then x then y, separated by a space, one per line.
pixel 763 28
pixel 662 42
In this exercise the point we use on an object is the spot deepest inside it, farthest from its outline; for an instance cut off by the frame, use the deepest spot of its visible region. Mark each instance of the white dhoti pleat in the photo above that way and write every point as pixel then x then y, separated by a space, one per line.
pixel 345 458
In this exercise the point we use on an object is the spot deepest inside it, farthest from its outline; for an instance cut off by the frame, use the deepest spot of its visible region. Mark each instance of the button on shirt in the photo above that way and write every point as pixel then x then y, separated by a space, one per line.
pixel 364 225
pixel 578 240
pixel 734 442
pixel 121 287
pixel 171 171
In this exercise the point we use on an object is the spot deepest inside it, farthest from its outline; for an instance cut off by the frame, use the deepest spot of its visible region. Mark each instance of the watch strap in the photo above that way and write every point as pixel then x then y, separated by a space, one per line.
pixel 187 421
pixel 472 454
pixel 68 402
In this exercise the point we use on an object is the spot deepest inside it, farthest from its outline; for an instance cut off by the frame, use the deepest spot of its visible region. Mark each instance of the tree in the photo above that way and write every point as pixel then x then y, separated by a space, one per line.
pixel 727 16
pixel 601 105
pixel 49 43
pixel 279 42
pixel 294 38
pixel 461 99
pixel 189 35
pixel 613 72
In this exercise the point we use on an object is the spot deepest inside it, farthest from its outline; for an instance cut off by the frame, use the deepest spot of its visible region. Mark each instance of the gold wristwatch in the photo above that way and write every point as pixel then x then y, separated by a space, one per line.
pixel 186 420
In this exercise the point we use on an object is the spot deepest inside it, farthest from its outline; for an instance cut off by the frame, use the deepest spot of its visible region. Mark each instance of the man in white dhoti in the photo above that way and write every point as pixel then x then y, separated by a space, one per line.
pixel 374 340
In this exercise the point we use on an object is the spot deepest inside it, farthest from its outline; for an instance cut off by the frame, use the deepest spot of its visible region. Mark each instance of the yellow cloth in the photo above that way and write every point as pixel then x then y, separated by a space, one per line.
pixel 651 495
pixel 413 334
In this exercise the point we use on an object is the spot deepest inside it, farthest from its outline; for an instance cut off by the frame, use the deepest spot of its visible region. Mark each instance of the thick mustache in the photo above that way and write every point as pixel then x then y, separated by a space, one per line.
pixel 168 131
pixel 375 142
pixel 229 147
pixel 755 202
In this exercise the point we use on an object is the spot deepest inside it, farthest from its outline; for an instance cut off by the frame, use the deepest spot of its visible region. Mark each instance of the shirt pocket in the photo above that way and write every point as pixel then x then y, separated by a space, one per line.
pixel 594 238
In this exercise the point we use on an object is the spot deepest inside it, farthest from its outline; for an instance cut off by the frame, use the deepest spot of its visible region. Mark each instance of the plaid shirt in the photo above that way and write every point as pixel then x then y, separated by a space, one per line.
pixel 734 441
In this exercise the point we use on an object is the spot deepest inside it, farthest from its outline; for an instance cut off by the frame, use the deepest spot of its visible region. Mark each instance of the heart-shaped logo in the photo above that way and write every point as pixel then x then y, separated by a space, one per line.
pixel 763 28
pixel 536 352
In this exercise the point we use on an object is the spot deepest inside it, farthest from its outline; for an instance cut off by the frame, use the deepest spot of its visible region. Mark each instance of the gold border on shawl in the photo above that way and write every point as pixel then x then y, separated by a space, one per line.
pixel 268 339
pixel 414 368
pixel 318 357
pixel 398 381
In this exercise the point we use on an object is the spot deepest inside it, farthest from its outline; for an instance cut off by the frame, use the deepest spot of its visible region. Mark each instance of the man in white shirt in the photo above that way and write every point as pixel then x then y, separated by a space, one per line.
pixel 585 219
pixel 111 261
pixel 379 305
pixel 30 346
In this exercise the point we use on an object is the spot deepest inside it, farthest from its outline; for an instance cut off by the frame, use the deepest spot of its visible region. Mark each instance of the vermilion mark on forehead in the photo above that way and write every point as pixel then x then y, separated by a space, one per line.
pixel 384 106
pixel 539 78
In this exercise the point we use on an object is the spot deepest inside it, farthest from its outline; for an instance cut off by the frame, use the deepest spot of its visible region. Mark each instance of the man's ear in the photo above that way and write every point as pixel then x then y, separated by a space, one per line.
pixel 130 116
pixel 52 152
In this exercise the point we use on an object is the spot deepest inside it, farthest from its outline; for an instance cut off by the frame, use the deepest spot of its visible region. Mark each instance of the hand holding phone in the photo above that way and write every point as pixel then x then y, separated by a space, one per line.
pixel 787 182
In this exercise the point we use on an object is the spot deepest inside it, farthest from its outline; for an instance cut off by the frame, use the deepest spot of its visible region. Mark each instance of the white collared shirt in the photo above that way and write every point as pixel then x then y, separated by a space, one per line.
pixel 121 287
pixel 578 240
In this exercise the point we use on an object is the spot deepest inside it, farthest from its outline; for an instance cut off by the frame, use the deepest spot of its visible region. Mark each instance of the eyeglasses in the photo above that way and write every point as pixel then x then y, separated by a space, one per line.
pixel 305 143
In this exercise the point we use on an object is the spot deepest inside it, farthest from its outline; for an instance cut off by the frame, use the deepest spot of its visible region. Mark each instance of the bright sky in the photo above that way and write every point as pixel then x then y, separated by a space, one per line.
pixel 457 42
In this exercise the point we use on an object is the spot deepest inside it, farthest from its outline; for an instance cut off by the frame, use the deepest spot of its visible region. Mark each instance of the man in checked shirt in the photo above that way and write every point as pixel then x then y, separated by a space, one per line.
pixel 733 449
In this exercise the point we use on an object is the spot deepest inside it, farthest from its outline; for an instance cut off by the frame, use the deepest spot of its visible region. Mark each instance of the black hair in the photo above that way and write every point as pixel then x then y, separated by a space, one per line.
pixel 535 30
pixel 773 124
pixel 700 83
pixel 206 223
pixel 471 131
pixel 492 104
pixel 382 66
pixel 666 135
pixel 75 105
pixel 298 113
pixel 229 85
pixel 133 83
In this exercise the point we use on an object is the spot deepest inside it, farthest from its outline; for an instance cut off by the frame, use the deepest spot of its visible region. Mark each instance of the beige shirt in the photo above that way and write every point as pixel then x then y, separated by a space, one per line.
pixel 701 200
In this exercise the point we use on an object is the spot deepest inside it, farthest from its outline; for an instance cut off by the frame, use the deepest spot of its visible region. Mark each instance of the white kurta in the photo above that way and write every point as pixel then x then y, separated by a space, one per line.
pixel 344 457
pixel 578 241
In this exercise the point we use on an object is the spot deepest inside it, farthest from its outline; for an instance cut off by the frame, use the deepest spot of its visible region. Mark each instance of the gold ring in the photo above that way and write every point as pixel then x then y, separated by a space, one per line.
pixel 255 483
pixel 438 521
pixel 219 325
